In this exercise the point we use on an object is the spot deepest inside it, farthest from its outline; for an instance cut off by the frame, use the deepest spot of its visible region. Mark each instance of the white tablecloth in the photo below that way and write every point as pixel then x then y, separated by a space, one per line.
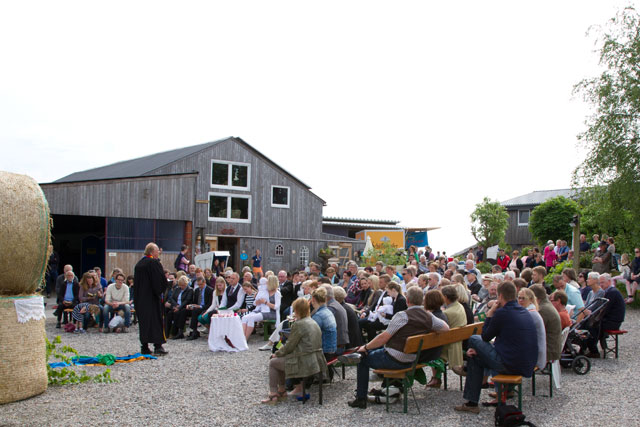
pixel 230 327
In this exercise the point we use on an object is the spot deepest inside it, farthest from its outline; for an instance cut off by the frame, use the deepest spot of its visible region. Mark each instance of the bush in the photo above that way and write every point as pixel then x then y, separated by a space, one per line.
pixel 484 267
pixel 548 279
pixel 585 261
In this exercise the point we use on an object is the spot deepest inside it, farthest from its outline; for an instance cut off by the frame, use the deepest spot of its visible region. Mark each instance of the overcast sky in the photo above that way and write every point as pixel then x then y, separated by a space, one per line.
pixel 406 110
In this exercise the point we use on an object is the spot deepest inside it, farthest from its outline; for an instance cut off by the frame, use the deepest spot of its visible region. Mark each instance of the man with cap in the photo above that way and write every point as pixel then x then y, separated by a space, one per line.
pixel 484 291
pixel 602 259
pixel 474 286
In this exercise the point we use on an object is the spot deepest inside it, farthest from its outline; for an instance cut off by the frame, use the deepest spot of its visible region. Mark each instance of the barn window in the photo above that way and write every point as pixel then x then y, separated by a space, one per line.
pixel 230 175
pixel 228 207
pixel 523 217
pixel 279 196
pixel 279 250
pixel 304 256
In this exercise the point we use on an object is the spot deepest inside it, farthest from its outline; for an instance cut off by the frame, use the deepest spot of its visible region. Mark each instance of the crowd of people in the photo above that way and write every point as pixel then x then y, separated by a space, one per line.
pixel 320 315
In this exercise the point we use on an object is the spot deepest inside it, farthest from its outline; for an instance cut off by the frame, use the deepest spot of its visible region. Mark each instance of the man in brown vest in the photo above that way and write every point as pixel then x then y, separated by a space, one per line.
pixel 385 350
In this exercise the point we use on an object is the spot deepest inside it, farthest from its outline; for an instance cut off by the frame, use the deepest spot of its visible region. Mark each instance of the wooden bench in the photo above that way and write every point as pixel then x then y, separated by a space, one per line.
pixel 415 345
pixel 614 335
pixel 507 380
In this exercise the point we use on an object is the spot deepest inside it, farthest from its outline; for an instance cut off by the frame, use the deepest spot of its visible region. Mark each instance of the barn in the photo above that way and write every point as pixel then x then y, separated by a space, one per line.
pixel 221 195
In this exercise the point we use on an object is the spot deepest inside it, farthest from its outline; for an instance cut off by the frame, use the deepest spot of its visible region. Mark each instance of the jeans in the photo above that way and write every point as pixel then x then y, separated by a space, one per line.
pixel 107 310
pixel 486 358
pixel 376 359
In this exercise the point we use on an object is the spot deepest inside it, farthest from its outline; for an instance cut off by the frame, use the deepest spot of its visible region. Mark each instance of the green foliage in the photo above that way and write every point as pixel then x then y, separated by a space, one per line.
pixel 64 376
pixel 484 267
pixel 550 220
pixel 585 261
pixel 605 212
pixel 611 169
pixel 557 270
pixel 525 251
pixel 489 222
pixel 387 253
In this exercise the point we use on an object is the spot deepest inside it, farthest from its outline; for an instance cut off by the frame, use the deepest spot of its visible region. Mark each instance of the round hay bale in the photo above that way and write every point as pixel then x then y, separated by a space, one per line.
pixel 23 369
pixel 25 234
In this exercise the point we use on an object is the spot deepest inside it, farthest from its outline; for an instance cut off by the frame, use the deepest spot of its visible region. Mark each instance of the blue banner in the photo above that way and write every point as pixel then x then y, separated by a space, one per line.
pixel 418 239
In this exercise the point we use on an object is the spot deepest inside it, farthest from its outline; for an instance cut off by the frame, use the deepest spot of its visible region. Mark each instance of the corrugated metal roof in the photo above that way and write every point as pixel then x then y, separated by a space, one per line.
pixel 136 167
pixel 142 166
pixel 538 197
pixel 359 220
pixel 362 225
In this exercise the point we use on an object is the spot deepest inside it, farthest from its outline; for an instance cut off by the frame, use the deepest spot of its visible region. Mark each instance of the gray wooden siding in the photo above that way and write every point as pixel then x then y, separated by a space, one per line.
pixel 517 236
pixel 149 197
pixel 302 220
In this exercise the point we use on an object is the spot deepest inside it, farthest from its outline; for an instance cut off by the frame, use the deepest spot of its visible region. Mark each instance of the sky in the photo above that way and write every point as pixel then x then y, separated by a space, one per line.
pixel 406 110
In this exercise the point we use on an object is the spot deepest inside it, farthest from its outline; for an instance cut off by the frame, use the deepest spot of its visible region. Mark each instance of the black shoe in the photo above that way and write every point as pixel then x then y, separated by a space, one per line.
pixel 358 403
pixel 159 351
pixel 145 350
pixel 178 337
pixel 58 325
pixel 350 359
pixel 193 337
pixel 593 355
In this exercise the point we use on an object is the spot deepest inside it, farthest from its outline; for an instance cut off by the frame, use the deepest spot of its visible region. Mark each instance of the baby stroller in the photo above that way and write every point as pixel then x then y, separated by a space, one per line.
pixel 573 352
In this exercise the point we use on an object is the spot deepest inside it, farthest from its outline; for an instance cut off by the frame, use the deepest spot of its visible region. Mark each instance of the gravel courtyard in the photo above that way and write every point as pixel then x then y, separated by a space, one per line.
pixel 193 386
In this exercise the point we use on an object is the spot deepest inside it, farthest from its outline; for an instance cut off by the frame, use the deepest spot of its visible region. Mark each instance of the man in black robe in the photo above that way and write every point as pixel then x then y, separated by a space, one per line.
pixel 150 284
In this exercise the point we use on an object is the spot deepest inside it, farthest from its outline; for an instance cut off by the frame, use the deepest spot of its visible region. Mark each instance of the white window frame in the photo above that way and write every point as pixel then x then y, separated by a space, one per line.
pixel 523 223
pixel 281 247
pixel 304 256
pixel 288 197
pixel 229 172
pixel 229 197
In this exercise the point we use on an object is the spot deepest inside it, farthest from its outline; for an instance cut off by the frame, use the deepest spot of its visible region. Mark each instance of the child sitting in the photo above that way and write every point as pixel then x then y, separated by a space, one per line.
pixel 117 323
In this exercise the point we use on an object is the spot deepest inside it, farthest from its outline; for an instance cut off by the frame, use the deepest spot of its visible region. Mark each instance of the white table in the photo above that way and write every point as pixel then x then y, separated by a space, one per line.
pixel 229 327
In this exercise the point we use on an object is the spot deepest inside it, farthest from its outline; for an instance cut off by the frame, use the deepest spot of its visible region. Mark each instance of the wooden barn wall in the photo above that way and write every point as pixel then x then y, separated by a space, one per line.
pixel 302 220
pixel 517 236
pixel 153 198
pixel 128 260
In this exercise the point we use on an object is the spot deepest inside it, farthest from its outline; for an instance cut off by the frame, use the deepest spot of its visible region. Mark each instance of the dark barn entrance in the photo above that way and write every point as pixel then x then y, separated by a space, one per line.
pixel 79 241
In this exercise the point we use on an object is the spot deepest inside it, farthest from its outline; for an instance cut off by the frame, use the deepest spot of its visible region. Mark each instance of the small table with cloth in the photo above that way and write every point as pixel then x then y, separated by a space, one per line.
pixel 226 329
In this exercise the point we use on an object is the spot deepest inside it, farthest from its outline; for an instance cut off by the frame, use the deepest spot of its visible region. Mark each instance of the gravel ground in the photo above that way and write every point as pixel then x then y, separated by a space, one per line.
pixel 173 391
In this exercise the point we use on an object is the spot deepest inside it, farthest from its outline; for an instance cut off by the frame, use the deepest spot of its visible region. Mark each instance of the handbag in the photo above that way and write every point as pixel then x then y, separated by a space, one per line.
pixel 509 415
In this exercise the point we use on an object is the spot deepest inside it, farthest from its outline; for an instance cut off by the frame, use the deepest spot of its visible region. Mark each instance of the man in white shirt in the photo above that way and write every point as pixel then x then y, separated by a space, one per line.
pixel 116 298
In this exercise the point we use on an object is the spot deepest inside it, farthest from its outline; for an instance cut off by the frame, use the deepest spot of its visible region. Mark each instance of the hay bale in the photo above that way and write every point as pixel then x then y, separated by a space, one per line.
pixel 25 234
pixel 23 369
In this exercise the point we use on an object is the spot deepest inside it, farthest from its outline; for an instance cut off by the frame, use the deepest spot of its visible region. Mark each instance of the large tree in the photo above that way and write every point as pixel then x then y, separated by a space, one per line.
pixel 610 173
pixel 489 221
pixel 551 220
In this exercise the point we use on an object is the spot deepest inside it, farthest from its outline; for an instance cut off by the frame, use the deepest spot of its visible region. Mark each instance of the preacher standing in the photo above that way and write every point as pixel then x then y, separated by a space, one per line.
pixel 150 284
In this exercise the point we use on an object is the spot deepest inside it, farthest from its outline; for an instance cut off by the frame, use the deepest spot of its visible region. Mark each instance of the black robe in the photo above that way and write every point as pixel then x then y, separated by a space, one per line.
pixel 150 284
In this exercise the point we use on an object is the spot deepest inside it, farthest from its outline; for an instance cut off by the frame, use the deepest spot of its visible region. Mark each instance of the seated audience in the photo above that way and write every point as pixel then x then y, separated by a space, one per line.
pixel 177 313
pixel 552 323
pixel 514 351
pixel 614 313
pixel 117 298
pixel 324 318
pixel 299 358
pixel 340 314
pixel 67 292
pixel 271 301
pixel 559 301
pixel 202 299
pixel 527 299
pixel 385 351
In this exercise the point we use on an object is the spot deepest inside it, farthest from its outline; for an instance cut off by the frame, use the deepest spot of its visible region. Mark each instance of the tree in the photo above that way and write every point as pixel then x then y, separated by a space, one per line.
pixel 551 220
pixel 610 173
pixel 489 222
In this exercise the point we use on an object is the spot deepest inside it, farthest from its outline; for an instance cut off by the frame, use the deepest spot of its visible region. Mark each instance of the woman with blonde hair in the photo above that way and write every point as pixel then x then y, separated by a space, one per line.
pixel 272 302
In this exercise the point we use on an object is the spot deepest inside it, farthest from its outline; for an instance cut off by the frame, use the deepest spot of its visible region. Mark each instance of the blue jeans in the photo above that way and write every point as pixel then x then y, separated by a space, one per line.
pixel 487 358
pixel 107 310
pixel 376 359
